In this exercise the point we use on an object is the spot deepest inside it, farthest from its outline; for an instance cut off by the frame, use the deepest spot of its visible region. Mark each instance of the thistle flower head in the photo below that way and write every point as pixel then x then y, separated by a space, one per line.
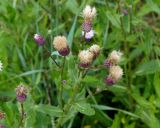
pixel 115 72
pixel 89 13
pixel 2 115
pixel 86 58
pixel 86 26
pixel 107 63
pixel 21 93
pixel 1 66
pixel 95 49
pixel 39 39
pixel 88 35
pixel 2 126
pixel 60 44
pixel 115 57
pixel 109 80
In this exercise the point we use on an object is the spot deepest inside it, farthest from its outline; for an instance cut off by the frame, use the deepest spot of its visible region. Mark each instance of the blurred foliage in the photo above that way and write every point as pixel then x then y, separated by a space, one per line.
pixel 129 25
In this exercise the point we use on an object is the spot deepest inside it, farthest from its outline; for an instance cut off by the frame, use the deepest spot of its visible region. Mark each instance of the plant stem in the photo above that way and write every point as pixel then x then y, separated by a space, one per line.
pixel 51 57
pixel 61 85
pixel 67 106
pixel 127 65
pixel 55 61
pixel 64 59
pixel 22 116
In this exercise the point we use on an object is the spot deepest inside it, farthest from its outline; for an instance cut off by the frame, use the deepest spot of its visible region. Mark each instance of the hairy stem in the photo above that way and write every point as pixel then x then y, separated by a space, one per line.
pixel 61 86
pixel 22 116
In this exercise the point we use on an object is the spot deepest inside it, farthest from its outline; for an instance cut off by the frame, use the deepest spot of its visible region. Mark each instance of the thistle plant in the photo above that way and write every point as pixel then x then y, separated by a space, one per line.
pixel 85 63
pixel 21 94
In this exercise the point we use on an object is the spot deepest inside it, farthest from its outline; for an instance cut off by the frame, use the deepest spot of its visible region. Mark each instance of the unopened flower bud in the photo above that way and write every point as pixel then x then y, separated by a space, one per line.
pixel 39 39
pixel 60 44
pixel 21 93
pixel 64 82
pixel 115 72
pixel 124 11
pixel 95 49
pixel 86 58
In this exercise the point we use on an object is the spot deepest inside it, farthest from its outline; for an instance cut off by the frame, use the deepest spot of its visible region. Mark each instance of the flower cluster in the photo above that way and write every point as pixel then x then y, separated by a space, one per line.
pixel 115 71
pixel 86 57
pixel 21 93
pixel 89 13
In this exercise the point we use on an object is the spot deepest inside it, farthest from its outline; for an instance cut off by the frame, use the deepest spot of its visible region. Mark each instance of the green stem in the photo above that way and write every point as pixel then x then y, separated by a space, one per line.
pixel 51 57
pixel 64 59
pixel 127 66
pixel 22 116
pixel 55 61
pixel 61 86
pixel 67 106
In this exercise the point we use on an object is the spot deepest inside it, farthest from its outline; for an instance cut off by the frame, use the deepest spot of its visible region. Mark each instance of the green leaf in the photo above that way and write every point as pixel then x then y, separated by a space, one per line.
pixel 102 107
pixel 142 101
pixel 150 6
pixel 91 80
pixel 113 18
pixel 71 32
pixel 116 121
pixel 126 23
pixel 149 67
pixel 76 11
pixel 148 117
pixel 48 109
pixel 72 6
pixel 55 53
pixel 84 108
pixel 156 84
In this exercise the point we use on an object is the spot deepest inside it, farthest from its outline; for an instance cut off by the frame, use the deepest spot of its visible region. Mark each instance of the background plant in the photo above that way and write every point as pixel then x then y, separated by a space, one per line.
pixel 131 26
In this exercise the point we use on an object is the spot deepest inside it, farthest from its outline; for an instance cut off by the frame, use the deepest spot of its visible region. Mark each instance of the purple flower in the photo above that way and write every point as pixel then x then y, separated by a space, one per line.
pixel 21 93
pixel 64 51
pixel 39 39
pixel 2 126
pixel 107 63
pixel 109 80
pixel 86 26
pixel 88 35
pixel 21 98
pixel 84 65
